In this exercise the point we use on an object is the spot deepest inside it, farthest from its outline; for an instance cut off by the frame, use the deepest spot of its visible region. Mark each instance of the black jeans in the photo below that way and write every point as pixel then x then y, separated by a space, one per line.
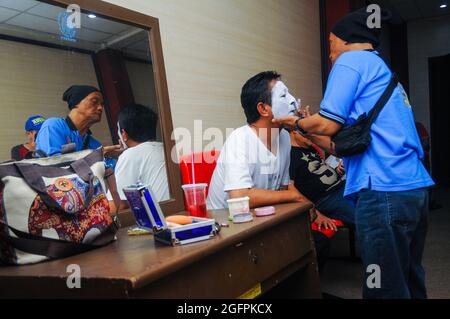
pixel 336 206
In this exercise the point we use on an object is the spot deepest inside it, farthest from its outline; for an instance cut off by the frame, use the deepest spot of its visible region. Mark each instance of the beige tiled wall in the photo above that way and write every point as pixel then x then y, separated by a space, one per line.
pixel 211 47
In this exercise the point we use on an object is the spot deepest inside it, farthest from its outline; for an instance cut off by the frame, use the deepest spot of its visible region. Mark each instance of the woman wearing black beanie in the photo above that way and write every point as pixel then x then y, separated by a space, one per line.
pixel 356 27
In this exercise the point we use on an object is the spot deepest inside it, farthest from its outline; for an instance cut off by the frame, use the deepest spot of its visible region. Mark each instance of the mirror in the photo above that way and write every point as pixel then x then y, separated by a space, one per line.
pixel 47 47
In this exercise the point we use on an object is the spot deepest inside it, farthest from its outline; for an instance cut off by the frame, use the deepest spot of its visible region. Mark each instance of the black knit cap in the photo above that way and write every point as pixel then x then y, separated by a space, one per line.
pixel 76 93
pixel 353 28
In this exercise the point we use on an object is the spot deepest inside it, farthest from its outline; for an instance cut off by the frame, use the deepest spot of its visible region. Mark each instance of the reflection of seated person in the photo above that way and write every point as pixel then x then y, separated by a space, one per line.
pixel 143 159
pixel 319 182
pixel 32 127
pixel 249 164
pixel 86 108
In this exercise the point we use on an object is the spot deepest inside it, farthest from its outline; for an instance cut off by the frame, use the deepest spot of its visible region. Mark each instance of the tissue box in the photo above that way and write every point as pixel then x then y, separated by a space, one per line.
pixel 149 216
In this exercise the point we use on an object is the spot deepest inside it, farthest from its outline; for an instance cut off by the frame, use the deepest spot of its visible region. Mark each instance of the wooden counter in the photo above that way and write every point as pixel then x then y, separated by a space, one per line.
pixel 257 254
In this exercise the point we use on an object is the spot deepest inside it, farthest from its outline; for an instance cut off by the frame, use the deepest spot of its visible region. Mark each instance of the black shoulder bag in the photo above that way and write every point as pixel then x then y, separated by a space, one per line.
pixel 355 139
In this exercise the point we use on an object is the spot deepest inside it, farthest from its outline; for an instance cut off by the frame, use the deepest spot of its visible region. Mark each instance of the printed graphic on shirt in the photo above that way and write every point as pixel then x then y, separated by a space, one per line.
pixel 405 96
pixel 312 176
pixel 315 166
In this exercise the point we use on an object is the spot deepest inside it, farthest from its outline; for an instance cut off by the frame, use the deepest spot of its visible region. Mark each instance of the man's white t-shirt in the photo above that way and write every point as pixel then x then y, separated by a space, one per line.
pixel 143 163
pixel 245 162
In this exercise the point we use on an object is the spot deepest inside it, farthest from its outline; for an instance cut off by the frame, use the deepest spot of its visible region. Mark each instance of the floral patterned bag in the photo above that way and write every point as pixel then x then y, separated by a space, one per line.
pixel 53 207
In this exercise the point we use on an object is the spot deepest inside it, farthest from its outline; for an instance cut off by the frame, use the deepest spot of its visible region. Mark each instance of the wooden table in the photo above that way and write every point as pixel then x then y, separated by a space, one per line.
pixel 257 255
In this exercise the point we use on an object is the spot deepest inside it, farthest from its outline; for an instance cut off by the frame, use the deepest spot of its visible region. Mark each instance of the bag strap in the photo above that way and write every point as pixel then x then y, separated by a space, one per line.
pixel 376 110
pixel 72 127
pixel 86 141
pixel 55 248
pixel 33 178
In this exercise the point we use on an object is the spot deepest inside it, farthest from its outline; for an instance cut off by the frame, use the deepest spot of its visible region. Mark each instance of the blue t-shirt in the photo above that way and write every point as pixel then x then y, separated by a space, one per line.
pixel 55 132
pixel 393 160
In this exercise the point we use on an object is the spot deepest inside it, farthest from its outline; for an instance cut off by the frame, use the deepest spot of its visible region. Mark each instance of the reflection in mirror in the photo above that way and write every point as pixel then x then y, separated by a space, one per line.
pixel 99 66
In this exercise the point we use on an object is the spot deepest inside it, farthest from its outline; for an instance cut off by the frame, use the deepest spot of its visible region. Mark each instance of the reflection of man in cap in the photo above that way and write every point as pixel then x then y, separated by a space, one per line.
pixel 59 135
pixel 387 182
pixel 32 127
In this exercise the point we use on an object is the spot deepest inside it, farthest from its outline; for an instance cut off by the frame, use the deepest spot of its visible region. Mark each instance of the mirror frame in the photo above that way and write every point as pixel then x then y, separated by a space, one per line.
pixel 119 14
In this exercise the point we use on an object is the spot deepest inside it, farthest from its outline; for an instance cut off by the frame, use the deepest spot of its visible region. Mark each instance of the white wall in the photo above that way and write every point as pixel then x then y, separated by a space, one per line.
pixel 426 38
pixel 211 47
pixel 33 81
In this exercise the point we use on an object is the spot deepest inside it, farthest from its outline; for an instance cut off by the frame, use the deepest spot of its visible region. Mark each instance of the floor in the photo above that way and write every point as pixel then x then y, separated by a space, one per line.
pixel 343 278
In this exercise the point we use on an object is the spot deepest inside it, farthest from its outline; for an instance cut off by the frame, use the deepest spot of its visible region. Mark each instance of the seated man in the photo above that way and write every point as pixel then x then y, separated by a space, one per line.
pixel 143 159
pixel 254 161
pixel 24 151
pixel 319 182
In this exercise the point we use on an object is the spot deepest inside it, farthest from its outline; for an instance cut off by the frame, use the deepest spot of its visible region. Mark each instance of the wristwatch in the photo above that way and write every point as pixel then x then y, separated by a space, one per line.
pixel 297 128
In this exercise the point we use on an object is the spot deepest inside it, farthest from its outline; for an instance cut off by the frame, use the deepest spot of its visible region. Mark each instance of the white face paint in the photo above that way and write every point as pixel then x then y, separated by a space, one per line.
pixel 283 103
pixel 119 133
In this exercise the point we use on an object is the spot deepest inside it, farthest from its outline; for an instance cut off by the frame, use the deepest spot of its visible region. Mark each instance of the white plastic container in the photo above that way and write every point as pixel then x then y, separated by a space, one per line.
pixel 239 209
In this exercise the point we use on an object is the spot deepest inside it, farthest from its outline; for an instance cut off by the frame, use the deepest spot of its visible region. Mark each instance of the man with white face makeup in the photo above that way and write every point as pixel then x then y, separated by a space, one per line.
pixel 255 159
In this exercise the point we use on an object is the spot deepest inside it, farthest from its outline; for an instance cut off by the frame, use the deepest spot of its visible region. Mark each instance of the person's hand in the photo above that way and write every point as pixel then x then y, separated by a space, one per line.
pixel 298 139
pixel 324 222
pixel 305 111
pixel 312 215
pixel 340 169
pixel 287 122
pixel 112 151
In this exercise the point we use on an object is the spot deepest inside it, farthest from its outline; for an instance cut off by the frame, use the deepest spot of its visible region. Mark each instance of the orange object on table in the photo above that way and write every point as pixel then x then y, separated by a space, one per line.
pixel 179 219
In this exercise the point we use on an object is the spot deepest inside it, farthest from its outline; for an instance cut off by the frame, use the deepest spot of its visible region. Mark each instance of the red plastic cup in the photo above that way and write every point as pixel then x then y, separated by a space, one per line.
pixel 195 195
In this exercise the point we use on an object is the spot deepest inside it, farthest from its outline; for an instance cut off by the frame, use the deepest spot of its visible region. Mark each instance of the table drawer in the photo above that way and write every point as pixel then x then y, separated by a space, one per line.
pixel 239 267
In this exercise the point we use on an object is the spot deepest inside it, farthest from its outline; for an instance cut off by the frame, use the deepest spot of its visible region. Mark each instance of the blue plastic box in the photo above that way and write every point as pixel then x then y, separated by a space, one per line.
pixel 149 216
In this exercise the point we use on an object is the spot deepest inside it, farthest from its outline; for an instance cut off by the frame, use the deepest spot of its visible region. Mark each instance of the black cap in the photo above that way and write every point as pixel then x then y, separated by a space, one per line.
pixel 353 28
pixel 76 93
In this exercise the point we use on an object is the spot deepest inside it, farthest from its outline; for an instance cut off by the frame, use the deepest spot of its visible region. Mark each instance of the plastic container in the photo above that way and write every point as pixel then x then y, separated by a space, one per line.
pixel 265 211
pixel 239 209
pixel 195 195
